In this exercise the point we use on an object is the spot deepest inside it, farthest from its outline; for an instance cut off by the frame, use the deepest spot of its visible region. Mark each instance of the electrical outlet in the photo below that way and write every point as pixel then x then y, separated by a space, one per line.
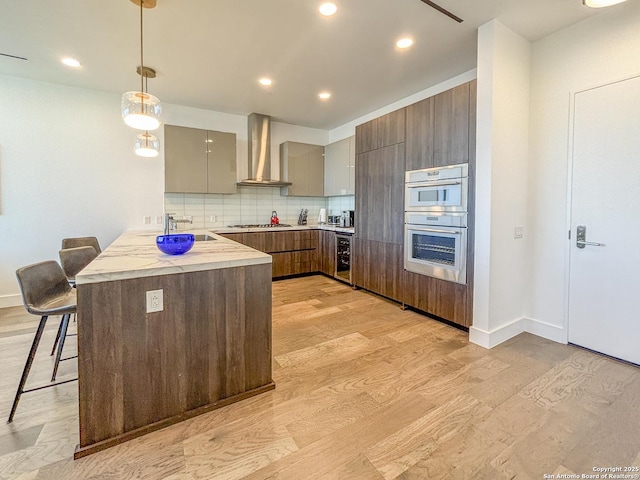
pixel 212 218
pixel 155 301
pixel 159 220
pixel 146 220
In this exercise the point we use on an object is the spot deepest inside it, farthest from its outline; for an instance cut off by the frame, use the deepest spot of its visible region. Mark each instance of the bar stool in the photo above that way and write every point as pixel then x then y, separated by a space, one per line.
pixel 81 242
pixel 73 260
pixel 45 291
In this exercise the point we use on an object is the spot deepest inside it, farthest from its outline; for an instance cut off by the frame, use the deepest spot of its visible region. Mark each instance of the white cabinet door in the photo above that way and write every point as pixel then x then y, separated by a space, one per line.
pixel 603 279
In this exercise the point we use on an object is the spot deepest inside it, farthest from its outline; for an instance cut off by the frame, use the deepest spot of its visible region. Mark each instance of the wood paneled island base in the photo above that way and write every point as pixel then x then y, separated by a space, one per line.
pixel 139 372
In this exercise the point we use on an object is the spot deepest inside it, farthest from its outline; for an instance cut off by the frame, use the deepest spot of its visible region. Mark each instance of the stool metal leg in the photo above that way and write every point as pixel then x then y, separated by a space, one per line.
pixel 55 344
pixel 27 366
pixel 63 333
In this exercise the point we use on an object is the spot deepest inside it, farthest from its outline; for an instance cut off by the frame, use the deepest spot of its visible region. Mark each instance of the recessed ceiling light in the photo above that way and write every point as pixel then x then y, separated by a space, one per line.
pixel 324 95
pixel 601 3
pixel 71 62
pixel 328 9
pixel 404 43
pixel 265 81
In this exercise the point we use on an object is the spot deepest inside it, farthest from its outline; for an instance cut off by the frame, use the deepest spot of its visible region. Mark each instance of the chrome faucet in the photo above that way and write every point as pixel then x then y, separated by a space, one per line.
pixel 171 224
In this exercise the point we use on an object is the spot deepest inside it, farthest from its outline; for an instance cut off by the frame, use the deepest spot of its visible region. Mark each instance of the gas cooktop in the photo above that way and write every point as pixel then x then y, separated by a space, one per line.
pixel 261 225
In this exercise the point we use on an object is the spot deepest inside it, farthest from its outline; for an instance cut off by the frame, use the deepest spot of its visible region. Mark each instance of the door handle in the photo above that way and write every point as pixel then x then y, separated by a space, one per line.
pixel 581 237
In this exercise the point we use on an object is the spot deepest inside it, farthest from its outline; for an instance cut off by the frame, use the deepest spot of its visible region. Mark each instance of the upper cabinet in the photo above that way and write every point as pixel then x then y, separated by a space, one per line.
pixel 199 161
pixel 381 132
pixel 439 128
pixel 303 166
pixel 419 144
pixel 451 132
pixel 339 167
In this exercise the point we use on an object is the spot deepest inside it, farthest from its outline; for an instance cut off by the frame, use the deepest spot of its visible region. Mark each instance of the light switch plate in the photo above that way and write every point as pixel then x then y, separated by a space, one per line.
pixel 155 301
pixel 518 232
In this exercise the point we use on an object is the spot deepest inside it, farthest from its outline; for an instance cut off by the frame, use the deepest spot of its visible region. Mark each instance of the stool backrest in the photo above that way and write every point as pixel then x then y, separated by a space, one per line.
pixel 81 242
pixel 40 283
pixel 73 260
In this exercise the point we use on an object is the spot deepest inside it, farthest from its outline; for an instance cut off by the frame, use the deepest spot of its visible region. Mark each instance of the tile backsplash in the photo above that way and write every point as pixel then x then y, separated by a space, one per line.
pixel 249 206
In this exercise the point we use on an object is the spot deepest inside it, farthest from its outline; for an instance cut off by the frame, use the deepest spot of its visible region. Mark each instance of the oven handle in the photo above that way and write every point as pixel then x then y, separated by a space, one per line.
pixel 434 230
pixel 432 184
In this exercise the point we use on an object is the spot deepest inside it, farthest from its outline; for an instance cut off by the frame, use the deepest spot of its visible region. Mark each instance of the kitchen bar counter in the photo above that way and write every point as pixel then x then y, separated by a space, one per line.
pixel 209 344
pixel 134 255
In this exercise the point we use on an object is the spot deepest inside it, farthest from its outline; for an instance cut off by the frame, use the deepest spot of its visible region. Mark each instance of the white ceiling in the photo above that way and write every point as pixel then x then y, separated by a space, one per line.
pixel 210 53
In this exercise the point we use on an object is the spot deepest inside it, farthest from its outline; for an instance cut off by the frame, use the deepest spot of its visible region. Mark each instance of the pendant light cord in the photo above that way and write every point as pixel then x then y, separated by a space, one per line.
pixel 141 52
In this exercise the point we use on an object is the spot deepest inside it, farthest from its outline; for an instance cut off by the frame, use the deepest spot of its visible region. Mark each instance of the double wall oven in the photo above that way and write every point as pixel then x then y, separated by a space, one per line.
pixel 435 232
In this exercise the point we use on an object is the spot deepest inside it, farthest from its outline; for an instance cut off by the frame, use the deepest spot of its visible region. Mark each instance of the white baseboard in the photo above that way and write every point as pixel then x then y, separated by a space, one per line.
pixel 497 336
pixel 546 330
pixel 10 300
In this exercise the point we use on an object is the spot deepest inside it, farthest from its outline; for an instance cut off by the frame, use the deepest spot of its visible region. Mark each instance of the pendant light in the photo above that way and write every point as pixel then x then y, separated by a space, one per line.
pixel 141 110
pixel 147 145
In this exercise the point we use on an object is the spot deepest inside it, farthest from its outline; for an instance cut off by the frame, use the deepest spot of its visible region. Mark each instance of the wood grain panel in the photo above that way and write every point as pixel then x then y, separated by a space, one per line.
pixel 380 194
pixel 444 299
pixel 393 159
pixel 391 128
pixel 367 136
pixel 419 136
pixel 211 342
pixel 294 252
pixel 451 133
pixel 377 267
pixel 327 252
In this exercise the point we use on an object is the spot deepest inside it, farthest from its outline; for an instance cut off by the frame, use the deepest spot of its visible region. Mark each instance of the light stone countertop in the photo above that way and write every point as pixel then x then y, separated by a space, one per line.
pixel 332 228
pixel 135 255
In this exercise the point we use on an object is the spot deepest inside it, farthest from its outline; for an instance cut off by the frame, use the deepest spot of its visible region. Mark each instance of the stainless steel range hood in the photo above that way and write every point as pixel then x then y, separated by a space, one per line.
pixel 260 153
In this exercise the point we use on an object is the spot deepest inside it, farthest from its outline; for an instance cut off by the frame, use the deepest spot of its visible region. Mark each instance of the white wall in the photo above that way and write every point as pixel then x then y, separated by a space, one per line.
pixel 603 48
pixel 501 261
pixel 67 169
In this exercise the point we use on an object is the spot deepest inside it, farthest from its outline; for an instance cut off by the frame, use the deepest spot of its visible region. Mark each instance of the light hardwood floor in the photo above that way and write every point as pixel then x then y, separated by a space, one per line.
pixel 364 391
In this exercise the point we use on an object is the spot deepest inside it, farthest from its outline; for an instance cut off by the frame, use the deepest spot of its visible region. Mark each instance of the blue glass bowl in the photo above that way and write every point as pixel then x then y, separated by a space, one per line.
pixel 175 244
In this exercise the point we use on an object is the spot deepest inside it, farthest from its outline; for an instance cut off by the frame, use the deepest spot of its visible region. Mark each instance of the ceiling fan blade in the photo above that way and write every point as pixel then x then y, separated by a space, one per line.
pixel 444 11
pixel 12 56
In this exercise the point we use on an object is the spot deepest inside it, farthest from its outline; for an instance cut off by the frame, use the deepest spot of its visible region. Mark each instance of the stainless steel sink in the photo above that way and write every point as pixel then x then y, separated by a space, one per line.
pixel 204 237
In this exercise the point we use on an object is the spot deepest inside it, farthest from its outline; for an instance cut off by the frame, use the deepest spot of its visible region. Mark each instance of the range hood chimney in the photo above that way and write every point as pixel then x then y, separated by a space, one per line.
pixel 260 153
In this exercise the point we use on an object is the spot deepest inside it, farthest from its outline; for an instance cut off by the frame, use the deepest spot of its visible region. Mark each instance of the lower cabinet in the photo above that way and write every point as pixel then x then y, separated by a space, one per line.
pixel 293 252
pixel 444 299
pixel 327 252
pixel 378 267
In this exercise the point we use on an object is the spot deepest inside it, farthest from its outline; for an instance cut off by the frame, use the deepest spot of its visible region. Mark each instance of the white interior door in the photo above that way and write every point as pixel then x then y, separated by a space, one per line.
pixel 604 281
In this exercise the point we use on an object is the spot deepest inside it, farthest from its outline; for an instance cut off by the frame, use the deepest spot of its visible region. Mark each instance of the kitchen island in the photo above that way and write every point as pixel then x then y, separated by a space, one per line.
pixel 209 346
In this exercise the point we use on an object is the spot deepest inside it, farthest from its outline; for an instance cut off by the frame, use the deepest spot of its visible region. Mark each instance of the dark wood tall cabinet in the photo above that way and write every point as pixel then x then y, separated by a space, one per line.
pixel 380 167
pixel 437 131
pixel 379 194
